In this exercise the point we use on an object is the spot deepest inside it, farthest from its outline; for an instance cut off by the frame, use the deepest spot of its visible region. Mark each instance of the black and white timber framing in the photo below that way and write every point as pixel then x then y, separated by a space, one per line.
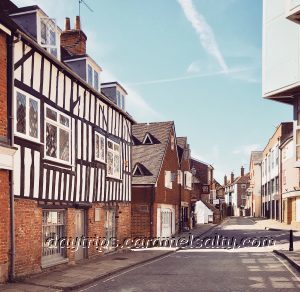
pixel 85 179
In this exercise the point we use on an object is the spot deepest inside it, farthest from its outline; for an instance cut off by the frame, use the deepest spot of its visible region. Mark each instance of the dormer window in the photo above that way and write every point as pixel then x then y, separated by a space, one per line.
pixel 148 140
pixel 92 77
pixel 120 100
pixel 48 36
pixel 137 171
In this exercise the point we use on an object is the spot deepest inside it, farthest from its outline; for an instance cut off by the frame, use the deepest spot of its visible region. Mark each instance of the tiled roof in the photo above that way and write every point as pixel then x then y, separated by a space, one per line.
pixel 181 144
pixel 150 156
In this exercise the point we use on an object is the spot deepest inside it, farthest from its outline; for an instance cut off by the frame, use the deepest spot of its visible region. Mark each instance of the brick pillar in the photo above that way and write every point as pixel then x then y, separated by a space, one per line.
pixel 70 232
pixel 4 174
pixel 4 225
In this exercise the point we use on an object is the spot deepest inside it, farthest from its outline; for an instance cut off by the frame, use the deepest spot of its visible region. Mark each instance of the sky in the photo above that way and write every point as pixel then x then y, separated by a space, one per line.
pixel 195 62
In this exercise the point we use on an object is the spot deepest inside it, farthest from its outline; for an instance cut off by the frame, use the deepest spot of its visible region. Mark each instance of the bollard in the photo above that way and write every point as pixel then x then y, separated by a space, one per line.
pixel 291 248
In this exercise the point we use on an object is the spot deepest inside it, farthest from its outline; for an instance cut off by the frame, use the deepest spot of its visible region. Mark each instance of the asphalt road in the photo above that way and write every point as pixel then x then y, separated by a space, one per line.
pixel 212 268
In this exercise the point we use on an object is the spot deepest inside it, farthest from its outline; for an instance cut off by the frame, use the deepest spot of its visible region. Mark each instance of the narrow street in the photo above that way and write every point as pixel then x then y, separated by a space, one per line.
pixel 212 269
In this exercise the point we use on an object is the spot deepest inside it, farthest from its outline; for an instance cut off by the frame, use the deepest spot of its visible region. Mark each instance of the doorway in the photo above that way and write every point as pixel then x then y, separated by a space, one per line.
pixel 110 229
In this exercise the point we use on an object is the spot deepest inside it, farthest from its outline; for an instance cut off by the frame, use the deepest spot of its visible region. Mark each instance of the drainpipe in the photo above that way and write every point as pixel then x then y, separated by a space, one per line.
pixel 280 183
pixel 10 105
pixel 151 211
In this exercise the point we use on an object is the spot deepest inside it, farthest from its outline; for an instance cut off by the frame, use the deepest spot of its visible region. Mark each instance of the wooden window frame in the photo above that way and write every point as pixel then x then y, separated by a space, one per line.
pixel 26 135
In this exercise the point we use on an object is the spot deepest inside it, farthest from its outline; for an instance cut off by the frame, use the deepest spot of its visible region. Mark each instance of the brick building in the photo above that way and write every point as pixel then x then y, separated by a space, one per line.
pixel 254 201
pixel 156 201
pixel 272 172
pixel 236 191
pixel 71 169
pixel 184 154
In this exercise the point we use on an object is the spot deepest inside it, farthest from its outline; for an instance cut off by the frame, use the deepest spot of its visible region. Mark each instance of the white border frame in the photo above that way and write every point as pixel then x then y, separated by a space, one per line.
pixel 59 126
pixel 27 136
pixel 105 146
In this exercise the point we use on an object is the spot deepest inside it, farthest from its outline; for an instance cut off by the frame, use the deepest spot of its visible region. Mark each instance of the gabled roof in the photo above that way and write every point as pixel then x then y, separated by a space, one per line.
pixel 181 145
pixel 150 156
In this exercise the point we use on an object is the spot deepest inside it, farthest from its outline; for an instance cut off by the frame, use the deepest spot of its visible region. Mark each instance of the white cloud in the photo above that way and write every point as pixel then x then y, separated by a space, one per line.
pixel 204 31
pixel 246 149
pixel 187 77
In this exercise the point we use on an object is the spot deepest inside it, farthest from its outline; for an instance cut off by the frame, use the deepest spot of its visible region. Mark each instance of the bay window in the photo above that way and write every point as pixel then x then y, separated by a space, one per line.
pixel 99 147
pixel 27 112
pixel 57 136
pixel 113 159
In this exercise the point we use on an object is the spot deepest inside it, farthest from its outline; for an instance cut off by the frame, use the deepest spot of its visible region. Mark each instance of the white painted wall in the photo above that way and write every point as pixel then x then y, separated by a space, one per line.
pixel 281 51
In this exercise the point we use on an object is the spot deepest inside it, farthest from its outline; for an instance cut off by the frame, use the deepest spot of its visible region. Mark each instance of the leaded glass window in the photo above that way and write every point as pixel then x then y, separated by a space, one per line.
pixel 113 159
pixel 21 113
pixel 27 112
pixel 33 118
pixel 96 80
pixel 90 75
pixel 57 135
pixel 51 140
pixel 99 147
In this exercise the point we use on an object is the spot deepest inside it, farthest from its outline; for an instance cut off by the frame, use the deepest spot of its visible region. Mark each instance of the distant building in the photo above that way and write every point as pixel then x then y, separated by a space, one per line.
pixel 271 172
pixel 254 199
pixel 236 194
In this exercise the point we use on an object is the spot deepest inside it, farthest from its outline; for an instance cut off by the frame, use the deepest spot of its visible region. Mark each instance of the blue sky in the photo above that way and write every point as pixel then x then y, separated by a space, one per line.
pixel 197 62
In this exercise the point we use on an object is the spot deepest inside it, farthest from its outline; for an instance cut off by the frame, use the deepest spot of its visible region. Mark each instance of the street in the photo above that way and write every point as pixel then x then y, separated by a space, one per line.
pixel 211 269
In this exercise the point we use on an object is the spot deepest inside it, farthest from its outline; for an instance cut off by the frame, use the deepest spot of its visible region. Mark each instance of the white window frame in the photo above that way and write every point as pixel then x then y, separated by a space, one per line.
pixel 188 177
pixel 59 126
pixel 104 156
pixel 48 47
pixel 108 150
pixel 26 135
pixel 93 76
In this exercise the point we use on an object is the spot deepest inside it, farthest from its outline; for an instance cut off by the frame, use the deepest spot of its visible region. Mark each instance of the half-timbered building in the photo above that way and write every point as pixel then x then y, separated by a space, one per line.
pixel 72 167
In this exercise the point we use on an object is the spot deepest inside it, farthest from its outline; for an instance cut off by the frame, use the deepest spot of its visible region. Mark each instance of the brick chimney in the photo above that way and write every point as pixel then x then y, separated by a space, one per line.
pixel 73 40
pixel 232 177
pixel 242 171
pixel 225 180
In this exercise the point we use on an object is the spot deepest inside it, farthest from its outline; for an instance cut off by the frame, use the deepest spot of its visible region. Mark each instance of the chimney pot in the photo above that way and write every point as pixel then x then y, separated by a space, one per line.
pixel 242 171
pixel 67 24
pixel 77 23
pixel 232 177
pixel 225 180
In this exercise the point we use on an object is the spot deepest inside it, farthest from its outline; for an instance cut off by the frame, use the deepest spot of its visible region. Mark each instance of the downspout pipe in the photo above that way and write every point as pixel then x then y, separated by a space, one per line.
pixel 151 211
pixel 10 105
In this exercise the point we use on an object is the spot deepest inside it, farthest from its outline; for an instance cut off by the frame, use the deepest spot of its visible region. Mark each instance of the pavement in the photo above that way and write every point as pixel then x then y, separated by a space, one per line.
pixel 208 265
pixel 65 278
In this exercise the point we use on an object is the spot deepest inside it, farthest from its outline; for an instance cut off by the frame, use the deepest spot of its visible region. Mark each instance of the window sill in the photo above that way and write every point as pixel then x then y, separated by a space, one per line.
pixel 47 263
pixel 57 162
pixel 28 138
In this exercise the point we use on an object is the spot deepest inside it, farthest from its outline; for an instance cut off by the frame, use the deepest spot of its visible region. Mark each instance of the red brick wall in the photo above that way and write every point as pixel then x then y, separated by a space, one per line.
pixel 3 86
pixel 123 221
pixel 70 232
pixel 95 228
pixel 4 174
pixel 164 195
pixel 74 41
pixel 140 220
pixel 28 236
pixel 4 224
